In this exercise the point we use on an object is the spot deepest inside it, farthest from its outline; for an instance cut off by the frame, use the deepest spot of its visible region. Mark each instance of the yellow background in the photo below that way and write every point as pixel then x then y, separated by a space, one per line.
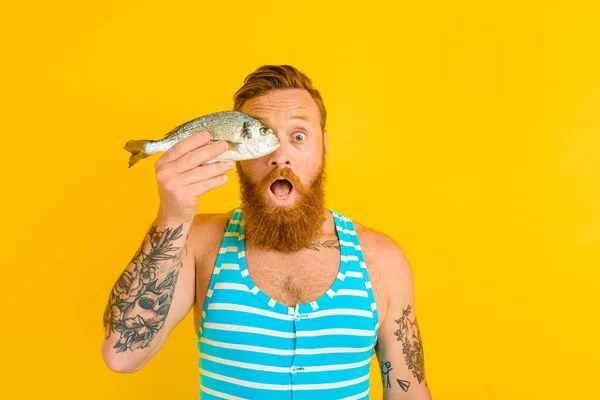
pixel 466 130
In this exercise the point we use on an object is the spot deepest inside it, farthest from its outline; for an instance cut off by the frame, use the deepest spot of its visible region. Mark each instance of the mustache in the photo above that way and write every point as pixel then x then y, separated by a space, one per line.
pixel 286 173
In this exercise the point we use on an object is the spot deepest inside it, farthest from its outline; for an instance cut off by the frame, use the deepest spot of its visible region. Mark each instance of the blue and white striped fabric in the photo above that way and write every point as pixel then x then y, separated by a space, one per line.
pixel 253 347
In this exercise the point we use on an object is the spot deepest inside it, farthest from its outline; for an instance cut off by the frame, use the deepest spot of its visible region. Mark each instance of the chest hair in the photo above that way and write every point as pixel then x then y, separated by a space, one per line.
pixel 301 277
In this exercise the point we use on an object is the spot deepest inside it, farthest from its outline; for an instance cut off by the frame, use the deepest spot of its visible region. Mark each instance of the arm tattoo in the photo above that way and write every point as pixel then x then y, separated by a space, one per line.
pixel 412 348
pixel 140 300
pixel 404 385
pixel 328 244
pixel 386 367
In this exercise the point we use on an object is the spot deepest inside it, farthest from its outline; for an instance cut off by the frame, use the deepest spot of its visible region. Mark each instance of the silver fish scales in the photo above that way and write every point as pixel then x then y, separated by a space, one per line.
pixel 246 136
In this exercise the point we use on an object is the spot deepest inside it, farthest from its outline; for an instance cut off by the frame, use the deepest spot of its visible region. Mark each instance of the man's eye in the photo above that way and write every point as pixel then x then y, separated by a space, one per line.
pixel 299 136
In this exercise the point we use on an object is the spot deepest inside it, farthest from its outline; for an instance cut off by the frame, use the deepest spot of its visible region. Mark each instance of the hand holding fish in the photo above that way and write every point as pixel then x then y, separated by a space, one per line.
pixel 182 176
pixel 197 154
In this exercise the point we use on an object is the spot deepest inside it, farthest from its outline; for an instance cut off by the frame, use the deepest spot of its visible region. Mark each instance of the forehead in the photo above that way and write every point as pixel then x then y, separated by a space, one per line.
pixel 283 103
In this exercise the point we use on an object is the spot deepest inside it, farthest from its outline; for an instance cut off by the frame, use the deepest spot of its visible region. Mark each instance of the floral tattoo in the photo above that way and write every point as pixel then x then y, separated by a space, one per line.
pixel 412 348
pixel 140 300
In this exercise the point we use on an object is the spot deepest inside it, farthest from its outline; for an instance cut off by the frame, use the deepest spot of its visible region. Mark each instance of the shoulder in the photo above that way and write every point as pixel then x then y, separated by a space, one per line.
pixel 386 259
pixel 206 232
pixel 380 248
pixel 207 223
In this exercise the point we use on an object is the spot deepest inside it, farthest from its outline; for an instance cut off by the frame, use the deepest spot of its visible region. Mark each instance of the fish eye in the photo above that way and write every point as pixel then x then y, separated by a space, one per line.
pixel 299 136
pixel 263 131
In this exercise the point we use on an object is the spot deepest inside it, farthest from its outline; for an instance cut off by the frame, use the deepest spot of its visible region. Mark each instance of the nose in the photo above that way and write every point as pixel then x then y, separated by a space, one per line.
pixel 280 157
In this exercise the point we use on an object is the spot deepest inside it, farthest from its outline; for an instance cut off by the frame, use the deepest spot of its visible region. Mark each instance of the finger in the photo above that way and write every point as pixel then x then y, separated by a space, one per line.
pixel 204 172
pixel 199 188
pixel 199 156
pixel 184 146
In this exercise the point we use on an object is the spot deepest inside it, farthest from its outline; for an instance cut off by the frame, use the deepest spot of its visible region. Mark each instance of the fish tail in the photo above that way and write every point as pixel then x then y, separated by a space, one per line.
pixel 137 148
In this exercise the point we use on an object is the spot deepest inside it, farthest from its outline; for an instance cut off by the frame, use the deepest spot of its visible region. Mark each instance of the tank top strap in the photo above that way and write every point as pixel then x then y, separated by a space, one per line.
pixel 358 268
pixel 227 258
pixel 234 233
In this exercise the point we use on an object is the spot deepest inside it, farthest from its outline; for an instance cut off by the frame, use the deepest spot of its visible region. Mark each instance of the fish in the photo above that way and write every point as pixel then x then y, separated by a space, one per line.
pixel 246 136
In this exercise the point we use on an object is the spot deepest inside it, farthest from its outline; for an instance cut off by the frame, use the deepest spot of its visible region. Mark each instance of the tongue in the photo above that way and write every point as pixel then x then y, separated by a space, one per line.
pixel 281 187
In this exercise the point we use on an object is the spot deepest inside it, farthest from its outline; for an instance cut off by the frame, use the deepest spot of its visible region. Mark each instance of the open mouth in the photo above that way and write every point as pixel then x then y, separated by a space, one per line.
pixel 281 188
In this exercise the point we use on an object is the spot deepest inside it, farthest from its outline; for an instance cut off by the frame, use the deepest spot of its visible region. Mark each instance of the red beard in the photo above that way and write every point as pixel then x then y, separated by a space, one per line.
pixel 283 228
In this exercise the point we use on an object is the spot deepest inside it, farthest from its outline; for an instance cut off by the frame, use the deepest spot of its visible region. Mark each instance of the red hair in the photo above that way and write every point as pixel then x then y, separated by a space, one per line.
pixel 271 77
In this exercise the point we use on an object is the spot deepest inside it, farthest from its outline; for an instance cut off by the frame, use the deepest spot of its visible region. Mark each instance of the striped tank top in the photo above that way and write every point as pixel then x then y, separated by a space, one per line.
pixel 253 347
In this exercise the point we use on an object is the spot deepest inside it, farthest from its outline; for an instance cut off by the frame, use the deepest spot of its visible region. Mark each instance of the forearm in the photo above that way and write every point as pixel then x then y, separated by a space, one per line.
pixel 141 298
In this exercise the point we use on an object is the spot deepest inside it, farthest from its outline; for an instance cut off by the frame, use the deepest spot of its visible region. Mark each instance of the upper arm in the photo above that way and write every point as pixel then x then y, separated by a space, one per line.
pixel 399 348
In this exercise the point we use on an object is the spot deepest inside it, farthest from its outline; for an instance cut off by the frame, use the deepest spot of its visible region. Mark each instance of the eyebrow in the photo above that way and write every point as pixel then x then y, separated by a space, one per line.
pixel 301 117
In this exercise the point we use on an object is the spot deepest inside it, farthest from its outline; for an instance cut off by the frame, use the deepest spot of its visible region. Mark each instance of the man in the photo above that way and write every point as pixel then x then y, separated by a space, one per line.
pixel 289 297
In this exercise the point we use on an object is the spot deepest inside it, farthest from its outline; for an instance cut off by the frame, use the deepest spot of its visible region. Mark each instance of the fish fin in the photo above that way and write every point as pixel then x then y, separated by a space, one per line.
pixel 227 156
pixel 137 150
pixel 233 145
pixel 174 129
pixel 230 145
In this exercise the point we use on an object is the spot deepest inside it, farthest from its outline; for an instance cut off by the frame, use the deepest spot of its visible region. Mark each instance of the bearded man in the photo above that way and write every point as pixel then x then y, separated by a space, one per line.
pixel 291 299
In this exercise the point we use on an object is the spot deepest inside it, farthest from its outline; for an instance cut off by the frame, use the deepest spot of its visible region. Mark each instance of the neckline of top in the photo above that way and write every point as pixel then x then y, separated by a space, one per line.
pixel 300 308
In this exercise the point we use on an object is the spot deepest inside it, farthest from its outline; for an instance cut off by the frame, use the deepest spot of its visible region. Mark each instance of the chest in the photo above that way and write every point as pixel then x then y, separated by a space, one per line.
pixel 301 277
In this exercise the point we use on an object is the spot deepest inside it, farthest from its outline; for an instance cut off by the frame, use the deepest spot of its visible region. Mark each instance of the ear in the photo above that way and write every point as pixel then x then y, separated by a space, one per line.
pixel 325 142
